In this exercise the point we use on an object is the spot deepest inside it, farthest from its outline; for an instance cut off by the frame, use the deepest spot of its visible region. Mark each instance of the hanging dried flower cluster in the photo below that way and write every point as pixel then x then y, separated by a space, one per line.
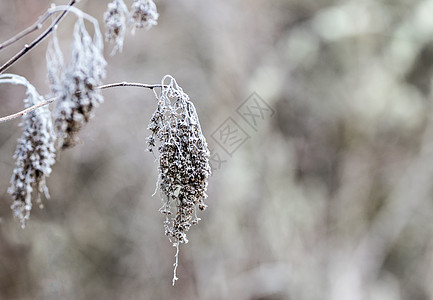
pixel 117 18
pixel 183 152
pixel 35 153
pixel 144 13
pixel 76 85
pixel 183 160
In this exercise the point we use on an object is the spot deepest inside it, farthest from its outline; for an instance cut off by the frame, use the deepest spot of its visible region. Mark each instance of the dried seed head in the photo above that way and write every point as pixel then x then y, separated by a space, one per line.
pixel 144 14
pixel 35 153
pixel 76 85
pixel 115 20
pixel 183 160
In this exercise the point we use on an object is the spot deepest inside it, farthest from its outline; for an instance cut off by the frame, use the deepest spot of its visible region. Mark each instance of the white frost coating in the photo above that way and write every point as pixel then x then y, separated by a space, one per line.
pixel 144 14
pixel 35 153
pixel 115 19
pixel 76 84
pixel 183 161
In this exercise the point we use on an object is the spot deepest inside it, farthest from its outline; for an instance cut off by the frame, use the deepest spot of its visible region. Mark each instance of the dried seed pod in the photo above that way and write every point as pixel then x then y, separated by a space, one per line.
pixel 183 160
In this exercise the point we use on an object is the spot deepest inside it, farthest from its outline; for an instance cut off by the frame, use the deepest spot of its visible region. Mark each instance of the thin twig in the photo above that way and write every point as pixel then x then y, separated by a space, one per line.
pixel 119 84
pixel 29 47
pixel 27 110
pixel 28 30
pixel 51 100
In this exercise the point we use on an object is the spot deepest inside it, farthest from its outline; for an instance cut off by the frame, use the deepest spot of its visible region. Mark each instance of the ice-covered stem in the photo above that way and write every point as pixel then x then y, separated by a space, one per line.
pixel 28 30
pixel 131 84
pixel 51 100
pixel 35 42
pixel 27 110
pixel 34 155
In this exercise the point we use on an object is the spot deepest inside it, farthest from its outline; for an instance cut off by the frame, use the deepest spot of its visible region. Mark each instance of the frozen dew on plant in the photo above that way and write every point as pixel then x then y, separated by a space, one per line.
pixel 115 19
pixel 35 153
pixel 76 85
pixel 183 154
pixel 183 160
pixel 144 14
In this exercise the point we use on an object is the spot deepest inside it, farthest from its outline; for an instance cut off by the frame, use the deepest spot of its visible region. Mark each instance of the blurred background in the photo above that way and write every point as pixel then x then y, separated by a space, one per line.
pixel 318 115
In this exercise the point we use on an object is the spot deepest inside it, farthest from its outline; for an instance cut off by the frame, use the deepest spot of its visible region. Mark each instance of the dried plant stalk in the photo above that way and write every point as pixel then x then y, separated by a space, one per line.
pixel 183 160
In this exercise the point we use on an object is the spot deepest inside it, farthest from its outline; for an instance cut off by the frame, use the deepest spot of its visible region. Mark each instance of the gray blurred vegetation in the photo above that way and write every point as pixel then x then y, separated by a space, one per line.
pixel 331 198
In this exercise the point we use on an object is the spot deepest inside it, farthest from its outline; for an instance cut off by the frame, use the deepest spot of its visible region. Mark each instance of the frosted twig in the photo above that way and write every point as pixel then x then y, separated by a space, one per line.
pixel 29 47
pixel 176 263
pixel 135 84
pixel 27 110
pixel 28 30
pixel 51 100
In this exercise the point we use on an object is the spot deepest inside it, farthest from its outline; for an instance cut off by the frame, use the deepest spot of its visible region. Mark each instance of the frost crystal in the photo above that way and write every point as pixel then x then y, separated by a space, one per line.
pixel 35 153
pixel 144 14
pixel 183 160
pixel 115 20
pixel 77 84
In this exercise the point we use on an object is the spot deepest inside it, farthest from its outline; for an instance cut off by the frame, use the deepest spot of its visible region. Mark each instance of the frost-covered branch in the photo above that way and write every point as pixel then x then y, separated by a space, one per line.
pixel 28 30
pixel 51 100
pixel 27 110
pixel 132 84
pixel 39 39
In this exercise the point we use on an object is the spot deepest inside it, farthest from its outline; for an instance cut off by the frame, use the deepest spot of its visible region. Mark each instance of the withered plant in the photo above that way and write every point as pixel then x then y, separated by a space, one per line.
pixel 176 136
